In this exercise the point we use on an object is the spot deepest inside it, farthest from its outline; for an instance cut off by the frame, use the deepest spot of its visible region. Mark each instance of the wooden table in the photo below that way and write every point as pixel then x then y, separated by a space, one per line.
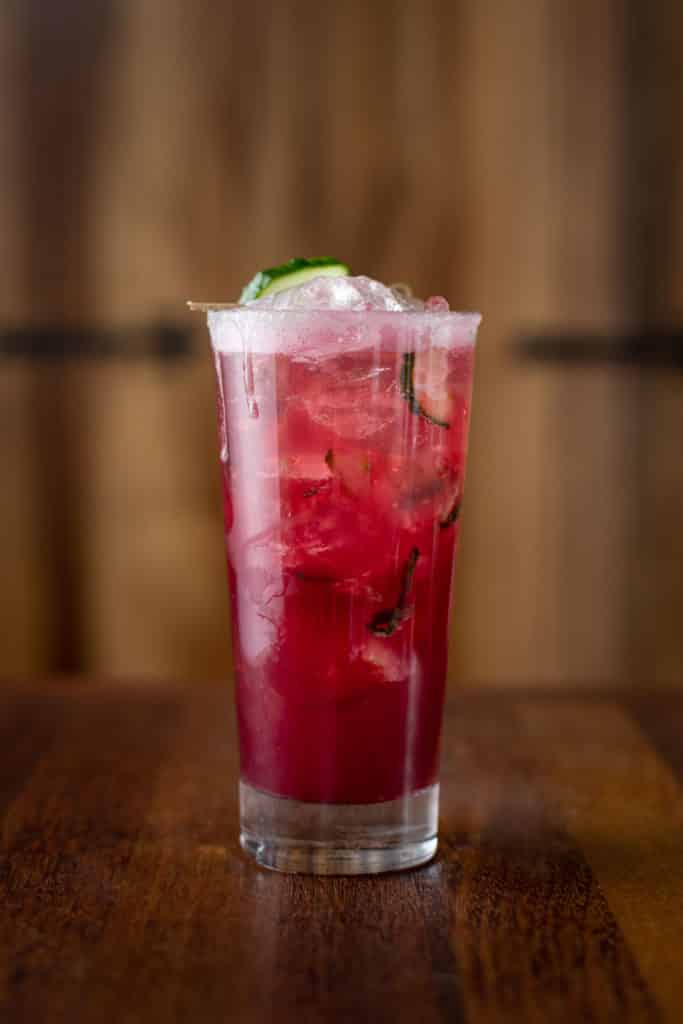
pixel 557 894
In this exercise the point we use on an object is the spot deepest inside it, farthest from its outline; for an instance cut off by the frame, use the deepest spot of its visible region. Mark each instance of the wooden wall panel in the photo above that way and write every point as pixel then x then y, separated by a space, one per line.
pixel 155 596
pixel 545 564
pixel 28 615
pixel 162 150
pixel 657 637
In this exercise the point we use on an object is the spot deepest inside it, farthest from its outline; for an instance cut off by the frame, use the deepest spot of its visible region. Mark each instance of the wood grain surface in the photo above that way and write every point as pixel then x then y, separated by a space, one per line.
pixel 556 895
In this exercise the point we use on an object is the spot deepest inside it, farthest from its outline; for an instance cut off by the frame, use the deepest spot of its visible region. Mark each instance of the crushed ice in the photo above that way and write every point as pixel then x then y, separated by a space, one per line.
pixel 353 293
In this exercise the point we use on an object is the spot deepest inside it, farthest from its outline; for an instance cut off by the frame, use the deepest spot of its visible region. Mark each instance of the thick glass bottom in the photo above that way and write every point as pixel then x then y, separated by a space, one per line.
pixel 338 839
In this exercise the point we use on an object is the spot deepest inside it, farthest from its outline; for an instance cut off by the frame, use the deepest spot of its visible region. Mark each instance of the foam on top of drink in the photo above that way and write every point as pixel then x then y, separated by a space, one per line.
pixel 330 315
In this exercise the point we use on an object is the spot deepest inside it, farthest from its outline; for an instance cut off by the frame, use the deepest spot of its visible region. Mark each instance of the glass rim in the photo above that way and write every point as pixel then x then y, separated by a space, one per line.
pixel 234 308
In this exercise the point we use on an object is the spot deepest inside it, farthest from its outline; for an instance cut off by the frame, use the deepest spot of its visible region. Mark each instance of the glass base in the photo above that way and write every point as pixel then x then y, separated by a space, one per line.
pixel 338 839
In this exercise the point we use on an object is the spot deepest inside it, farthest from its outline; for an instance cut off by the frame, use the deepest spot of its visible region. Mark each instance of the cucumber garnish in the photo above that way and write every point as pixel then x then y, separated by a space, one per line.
pixel 287 275
pixel 407 385
pixel 387 621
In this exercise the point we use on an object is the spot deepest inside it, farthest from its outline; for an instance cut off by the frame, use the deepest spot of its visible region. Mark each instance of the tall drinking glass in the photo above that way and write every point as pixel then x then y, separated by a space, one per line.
pixel 343 437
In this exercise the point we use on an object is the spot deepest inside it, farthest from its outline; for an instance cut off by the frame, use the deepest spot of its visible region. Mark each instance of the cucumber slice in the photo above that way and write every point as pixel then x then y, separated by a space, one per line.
pixel 419 387
pixel 287 275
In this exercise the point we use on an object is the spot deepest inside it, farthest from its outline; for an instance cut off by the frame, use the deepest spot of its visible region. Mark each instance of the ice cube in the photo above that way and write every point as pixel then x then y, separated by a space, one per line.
pixel 388 664
pixel 345 416
pixel 353 293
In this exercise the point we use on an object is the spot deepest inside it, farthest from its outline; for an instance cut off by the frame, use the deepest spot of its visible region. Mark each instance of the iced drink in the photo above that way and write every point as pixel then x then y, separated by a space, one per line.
pixel 343 414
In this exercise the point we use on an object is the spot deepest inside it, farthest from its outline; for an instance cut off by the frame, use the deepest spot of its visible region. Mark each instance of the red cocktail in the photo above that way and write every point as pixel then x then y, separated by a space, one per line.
pixel 343 441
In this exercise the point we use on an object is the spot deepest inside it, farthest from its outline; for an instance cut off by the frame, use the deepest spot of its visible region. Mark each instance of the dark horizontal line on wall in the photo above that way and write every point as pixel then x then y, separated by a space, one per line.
pixel 171 341
pixel 152 341
pixel 656 349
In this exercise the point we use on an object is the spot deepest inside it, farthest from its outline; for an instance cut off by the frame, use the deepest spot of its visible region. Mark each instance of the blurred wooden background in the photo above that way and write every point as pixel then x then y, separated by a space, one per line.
pixel 523 157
